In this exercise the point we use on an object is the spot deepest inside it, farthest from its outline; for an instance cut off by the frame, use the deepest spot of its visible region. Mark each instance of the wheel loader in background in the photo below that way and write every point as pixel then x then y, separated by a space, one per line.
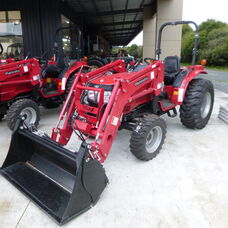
pixel 65 183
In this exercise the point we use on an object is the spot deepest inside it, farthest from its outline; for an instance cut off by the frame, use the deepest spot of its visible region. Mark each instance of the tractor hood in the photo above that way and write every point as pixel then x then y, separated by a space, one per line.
pixel 106 81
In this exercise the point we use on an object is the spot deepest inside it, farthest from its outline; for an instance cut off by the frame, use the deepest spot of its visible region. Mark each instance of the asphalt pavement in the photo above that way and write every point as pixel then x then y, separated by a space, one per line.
pixel 219 79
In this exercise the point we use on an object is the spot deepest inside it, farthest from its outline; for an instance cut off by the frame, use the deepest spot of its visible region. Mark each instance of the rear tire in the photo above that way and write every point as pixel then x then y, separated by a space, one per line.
pixel 148 137
pixel 25 107
pixel 70 82
pixel 95 63
pixel 198 104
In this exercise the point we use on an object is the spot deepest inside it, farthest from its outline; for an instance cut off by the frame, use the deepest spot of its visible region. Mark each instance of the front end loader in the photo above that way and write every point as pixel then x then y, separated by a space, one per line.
pixel 66 183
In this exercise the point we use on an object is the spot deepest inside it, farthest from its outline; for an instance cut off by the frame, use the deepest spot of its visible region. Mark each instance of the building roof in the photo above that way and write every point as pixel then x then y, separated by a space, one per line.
pixel 119 21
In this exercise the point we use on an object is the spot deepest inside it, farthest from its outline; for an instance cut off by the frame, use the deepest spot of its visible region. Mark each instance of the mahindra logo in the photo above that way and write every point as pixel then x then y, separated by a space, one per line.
pixel 12 72
pixel 141 81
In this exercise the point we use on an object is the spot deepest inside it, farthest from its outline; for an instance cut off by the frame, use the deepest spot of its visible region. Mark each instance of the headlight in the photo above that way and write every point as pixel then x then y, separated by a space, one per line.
pixel 94 96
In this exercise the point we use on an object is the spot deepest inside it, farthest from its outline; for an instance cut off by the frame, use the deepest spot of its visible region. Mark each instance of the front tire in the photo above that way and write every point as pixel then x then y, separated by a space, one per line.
pixel 148 137
pixel 197 106
pixel 25 107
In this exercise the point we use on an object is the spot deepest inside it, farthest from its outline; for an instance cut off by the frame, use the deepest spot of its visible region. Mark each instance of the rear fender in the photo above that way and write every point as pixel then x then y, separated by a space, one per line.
pixel 73 70
pixel 179 92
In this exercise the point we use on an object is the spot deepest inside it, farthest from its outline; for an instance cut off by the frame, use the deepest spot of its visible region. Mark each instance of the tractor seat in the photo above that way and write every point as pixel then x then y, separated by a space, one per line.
pixel 54 72
pixel 172 69
pixel 57 70
pixel 51 71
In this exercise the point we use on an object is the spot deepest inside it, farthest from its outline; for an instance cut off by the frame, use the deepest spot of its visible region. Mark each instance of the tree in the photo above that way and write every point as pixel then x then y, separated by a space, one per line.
pixel 211 24
pixel 133 50
pixel 186 29
pixel 216 52
pixel 213 42
pixel 187 43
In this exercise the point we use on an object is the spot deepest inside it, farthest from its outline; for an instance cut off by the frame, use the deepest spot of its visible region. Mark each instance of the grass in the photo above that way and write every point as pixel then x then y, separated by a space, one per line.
pixel 220 68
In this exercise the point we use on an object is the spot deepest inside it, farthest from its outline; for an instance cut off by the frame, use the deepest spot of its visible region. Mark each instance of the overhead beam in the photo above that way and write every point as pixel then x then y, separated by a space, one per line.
pixel 116 12
pixel 97 10
pixel 119 34
pixel 123 23
pixel 125 40
pixel 117 30
pixel 120 38
pixel 111 6
pixel 141 7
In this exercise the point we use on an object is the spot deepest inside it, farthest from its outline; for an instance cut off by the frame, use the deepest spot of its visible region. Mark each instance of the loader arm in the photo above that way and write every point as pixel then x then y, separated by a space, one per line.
pixel 129 89
pixel 68 108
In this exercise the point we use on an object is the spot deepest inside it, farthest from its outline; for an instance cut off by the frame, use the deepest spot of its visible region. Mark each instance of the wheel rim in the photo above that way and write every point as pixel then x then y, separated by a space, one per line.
pixel 206 105
pixel 30 115
pixel 153 139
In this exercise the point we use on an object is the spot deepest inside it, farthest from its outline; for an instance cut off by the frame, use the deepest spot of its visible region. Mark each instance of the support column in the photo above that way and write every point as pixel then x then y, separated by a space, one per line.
pixel 170 10
pixel 149 33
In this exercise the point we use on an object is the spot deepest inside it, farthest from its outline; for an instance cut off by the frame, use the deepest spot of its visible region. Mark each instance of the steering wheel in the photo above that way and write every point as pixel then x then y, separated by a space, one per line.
pixel 147 59
pixel 42 60
pixel 1 49
pixel 131 68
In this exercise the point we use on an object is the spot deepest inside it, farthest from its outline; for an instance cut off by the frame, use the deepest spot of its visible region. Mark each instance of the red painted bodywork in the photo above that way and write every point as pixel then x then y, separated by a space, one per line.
pixel 130 91
pixel 19 77
pixel 6 61
pixel 193 72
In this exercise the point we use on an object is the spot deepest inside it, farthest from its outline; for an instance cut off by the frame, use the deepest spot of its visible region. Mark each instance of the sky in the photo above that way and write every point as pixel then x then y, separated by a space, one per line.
pixel 198 11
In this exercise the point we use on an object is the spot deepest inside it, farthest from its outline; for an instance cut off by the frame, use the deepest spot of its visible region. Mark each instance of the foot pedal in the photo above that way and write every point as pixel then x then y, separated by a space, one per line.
pixel 223 113
pixel 172 113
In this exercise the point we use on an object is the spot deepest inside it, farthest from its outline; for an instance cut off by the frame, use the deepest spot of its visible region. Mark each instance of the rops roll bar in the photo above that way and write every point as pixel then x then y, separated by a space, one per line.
pixel 196 38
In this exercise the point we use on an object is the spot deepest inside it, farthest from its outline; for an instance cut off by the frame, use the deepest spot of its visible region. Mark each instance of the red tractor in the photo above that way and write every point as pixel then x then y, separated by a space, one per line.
pixel 26 84
pixel 66 183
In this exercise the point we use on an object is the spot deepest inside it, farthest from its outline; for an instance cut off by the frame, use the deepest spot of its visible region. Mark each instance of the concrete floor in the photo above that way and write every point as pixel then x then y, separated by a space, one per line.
pixel 186 185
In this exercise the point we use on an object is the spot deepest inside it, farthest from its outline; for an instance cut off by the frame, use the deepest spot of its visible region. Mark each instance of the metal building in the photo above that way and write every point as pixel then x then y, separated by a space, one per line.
pixel 31 25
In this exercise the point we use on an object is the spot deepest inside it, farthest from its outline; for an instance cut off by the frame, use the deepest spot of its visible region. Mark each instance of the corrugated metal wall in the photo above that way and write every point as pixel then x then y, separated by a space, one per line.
pixel 50 20
pixel 40 19
pixel 31 28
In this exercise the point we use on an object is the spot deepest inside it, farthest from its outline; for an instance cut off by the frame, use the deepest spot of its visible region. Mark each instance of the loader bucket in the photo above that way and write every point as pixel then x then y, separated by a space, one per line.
pixel 62 183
